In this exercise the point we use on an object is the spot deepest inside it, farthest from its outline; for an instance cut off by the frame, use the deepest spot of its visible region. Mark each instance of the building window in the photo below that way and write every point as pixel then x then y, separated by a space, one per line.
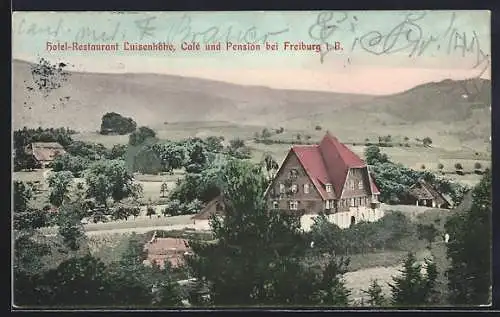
pixel 294 173
pixel 352 202
pixel 282 188
pixel 360 185
pixel 306 188
pixel 295 188
pixel 294 205
pixel 327 204
pixel 275 205
pixel 328 188
pixel 351 185
pixel 332 204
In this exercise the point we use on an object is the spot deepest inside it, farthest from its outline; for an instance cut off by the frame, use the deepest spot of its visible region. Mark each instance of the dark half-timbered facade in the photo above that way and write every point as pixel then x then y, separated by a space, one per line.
pixel 327 177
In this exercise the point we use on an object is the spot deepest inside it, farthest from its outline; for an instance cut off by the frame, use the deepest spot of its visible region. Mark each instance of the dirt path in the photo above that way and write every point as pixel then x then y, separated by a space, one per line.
pixel 140 224
pixel 198 226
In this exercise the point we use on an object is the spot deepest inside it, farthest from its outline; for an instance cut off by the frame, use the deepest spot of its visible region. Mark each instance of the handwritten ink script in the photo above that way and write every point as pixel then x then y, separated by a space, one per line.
pixel 175 29
pixel 406 36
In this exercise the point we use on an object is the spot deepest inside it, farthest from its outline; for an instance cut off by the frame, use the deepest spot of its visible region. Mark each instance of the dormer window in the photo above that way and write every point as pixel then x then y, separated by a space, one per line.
pixel 351 184
pixel 360 185
pixel 282 188
pixel 328 188
pixel 306 188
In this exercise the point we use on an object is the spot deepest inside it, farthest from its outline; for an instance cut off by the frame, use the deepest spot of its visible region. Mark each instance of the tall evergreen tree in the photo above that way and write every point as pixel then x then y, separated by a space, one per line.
pixel 469 249
pixel 412 287
pixel 376 297
pixel 257 256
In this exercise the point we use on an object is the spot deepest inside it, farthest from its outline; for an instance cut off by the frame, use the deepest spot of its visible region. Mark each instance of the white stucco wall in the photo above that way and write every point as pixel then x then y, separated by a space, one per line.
pixel 343 219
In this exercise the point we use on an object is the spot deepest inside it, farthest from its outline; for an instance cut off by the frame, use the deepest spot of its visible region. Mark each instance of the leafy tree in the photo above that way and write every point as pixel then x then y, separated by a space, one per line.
pixel 236 143
pixel 477 165
pixel 413 288
pixel 422 167
pixel 458 166
pixel 70 226
pixel 25 217
pixel 469 248
pixel 91 151
pixel 150 211
pixel 406 139
pixel 269 164
pixel 164 189
pixel 197 158
pixel 256 258
pixel 68 162
pixel 173 208
pixel 299 137
pixel 214 144
pixel 22 195
pixel 440 166
pixel 113 122
pixel 266 133
pixel 110 179
pixel 140 135
pixel 117 152
pixel 125 209
pixel 374 156
pixel 426 141
pixel 59 182
pixel 172 155
pixel 376 297
pixel 147 161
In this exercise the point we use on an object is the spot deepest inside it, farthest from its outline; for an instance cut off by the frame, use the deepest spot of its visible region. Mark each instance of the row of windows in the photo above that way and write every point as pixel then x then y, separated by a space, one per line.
pixel 292 205
pixel 294 188
pixel 330 204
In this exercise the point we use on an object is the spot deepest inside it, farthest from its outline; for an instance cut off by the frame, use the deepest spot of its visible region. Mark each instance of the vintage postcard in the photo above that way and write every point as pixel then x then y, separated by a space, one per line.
pixel 329 159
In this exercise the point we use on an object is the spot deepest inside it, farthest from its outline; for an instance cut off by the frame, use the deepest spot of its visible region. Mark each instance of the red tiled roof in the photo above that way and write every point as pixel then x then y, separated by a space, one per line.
pixel 311 160
pixel 329 162
pixel 166 249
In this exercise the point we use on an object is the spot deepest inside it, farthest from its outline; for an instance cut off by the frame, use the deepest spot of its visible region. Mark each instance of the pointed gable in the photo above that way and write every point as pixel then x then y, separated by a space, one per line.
pixel 328 163
pixel 338 159
pixel 312 162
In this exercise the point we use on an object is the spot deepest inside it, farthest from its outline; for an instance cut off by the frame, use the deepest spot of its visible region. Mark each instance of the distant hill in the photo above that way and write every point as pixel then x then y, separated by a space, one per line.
pixel 153 99
pixel 459 107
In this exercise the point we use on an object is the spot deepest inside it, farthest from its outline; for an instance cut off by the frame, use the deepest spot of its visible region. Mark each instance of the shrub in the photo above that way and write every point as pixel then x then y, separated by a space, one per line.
pixel 477 165
pixel 173 208
pixel 458 166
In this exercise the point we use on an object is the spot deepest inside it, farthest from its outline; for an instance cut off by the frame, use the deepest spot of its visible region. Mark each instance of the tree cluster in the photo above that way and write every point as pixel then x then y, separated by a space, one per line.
pixel 388 233
pixel 25 137
pixel 394 180
pixel 115 123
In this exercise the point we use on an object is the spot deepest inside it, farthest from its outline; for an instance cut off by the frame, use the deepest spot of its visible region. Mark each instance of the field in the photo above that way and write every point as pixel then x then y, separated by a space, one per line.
pixel 151 185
